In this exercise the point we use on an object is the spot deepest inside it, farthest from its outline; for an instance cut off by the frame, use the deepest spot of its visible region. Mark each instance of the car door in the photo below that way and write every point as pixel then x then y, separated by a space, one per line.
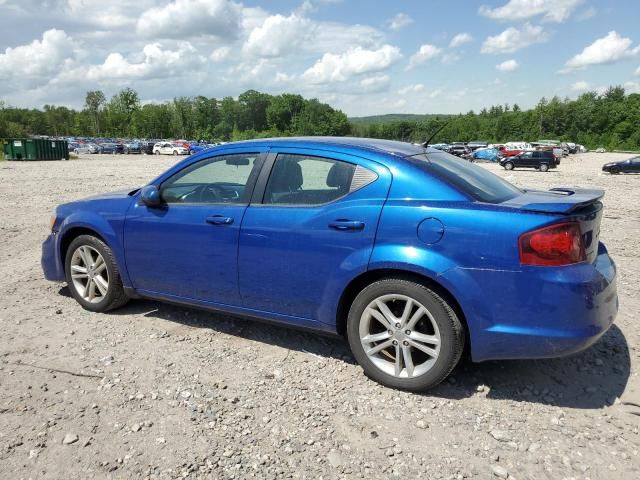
pixel 188 246
pixel 309 229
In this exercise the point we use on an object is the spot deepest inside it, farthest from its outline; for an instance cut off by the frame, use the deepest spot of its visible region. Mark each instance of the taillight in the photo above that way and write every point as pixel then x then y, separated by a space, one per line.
pixel 559 244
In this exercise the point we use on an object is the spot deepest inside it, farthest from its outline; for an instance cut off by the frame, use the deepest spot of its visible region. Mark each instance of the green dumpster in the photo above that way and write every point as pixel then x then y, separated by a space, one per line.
pixel 35 149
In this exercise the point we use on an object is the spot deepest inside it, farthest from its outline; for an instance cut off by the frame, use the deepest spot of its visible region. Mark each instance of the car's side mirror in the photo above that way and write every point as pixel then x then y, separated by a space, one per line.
pixel 150 196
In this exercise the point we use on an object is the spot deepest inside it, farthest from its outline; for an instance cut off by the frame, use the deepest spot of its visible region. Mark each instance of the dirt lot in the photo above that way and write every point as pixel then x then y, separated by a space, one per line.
pixel 180 393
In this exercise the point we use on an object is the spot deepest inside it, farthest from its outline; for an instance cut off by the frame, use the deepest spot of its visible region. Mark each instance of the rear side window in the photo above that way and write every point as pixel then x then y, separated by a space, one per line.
pixel 308 180
pixel 474 181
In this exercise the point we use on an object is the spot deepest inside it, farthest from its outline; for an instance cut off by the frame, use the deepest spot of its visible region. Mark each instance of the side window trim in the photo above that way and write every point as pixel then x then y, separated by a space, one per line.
pixel 250 186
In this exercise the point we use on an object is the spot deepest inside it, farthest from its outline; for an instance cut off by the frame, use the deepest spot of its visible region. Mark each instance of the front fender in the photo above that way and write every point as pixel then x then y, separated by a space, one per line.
pixel 108 226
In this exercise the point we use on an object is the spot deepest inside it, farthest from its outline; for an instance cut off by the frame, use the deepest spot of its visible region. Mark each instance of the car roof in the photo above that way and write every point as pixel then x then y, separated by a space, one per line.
pixel 402 149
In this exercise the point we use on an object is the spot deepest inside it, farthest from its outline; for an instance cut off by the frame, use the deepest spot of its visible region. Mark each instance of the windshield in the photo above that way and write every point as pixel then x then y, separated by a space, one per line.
pixel 475 181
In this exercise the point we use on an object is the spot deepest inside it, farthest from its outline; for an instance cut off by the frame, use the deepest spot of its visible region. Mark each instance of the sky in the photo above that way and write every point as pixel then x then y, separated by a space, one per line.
pixel 363 57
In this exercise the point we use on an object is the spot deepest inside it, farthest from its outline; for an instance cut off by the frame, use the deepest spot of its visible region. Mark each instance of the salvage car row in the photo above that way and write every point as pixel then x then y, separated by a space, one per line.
pixel 144 147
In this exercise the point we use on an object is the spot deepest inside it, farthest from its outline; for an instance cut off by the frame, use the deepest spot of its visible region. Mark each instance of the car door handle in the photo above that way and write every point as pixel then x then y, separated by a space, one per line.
pixel 219 220
pixel 347 225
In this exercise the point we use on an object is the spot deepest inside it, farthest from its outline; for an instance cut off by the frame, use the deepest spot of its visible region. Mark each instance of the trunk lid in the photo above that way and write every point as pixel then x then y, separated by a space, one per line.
pixel 569 204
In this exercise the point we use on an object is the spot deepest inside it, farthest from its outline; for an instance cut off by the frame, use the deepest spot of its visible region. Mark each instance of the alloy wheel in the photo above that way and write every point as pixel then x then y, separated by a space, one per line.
pixel 400 336
pixel 89 274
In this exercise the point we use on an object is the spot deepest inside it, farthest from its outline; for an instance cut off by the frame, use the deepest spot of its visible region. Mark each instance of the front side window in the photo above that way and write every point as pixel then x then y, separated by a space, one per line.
pixel 221 179
pixel 307 180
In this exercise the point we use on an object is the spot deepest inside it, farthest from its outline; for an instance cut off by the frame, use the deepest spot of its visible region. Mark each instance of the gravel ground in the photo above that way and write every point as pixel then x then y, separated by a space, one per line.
pixel 171 392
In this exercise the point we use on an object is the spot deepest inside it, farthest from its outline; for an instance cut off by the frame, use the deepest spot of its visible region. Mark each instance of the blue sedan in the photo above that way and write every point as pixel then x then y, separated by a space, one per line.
pixel 410 253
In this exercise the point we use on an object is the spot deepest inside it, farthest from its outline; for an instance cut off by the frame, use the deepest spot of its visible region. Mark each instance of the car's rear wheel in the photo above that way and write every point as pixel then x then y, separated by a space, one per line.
pixel 508 166
pixel 93 276
pixel 404 335
pixel 544 167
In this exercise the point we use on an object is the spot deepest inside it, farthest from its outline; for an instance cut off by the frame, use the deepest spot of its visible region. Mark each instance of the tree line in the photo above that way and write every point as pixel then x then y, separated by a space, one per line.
pixel 610 120
pixel 252 114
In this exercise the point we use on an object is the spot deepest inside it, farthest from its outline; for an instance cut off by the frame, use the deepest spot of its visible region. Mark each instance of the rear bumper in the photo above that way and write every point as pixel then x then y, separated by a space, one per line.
pixel 541 312
pixel 51 261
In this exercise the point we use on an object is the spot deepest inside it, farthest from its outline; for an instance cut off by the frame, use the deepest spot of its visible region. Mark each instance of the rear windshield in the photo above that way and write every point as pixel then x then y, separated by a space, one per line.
pixel 475 181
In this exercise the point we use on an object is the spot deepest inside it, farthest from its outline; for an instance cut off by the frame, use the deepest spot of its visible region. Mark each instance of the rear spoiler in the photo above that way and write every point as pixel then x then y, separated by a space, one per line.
pixel 557 200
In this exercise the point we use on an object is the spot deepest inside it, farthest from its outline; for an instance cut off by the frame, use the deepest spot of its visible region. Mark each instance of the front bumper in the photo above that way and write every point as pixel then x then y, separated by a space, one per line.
pixel 51 261
pixel 541 312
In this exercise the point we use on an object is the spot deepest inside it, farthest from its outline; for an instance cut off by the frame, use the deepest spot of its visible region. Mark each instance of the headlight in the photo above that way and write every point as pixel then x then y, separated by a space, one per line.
pixel 52 223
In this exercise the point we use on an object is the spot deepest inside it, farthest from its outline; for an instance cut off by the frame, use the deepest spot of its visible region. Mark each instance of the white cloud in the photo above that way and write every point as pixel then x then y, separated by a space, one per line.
pixel 609 49
pixel 220 54
pixel 638 71
pixel 551 10
pixel 376 83
pixel 276 34
pixel 111 14
pixel 339 67
pixel 508 66
pixel 425 52
pixel 155 63
pixel 399 21
pixel 513 39
pixel 191 18
pixel 460 39
pixel 40 58
pixel 581 86
pixel 418 87
pixel 632 87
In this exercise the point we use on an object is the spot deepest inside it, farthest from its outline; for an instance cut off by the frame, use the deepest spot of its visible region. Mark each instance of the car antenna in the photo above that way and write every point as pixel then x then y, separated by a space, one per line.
pixel 426 144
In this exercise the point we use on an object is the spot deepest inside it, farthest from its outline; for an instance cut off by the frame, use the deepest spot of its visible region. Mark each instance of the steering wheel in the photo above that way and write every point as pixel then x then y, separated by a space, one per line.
pixel 203 194
pixel 208 193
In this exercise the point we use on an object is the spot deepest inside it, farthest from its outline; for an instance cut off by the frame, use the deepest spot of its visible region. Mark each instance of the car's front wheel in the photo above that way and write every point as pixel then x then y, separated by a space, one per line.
pixel 508 166
pixel 404 335
pixel 93 276
pixel 614 170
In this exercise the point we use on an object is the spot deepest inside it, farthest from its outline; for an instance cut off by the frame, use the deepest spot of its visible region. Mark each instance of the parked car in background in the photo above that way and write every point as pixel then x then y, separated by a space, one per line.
pixel 407 251
pixel 167 148
pixel 441 146
pixel 133 147
pixel 490 154
pixel 81 148
pixel 541 160
pixel 459 149
pixel 475 144
pixel 505 151
pixel 147 147
pixel 198 147
pixel 113 148
pixel 632 165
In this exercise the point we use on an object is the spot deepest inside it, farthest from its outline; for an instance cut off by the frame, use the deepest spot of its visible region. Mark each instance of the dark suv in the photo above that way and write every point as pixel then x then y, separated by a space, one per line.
pixel 541 160
pixel 459 149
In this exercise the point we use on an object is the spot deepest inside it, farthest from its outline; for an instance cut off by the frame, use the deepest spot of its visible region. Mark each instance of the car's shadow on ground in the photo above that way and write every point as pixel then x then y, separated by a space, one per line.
pixel 591 379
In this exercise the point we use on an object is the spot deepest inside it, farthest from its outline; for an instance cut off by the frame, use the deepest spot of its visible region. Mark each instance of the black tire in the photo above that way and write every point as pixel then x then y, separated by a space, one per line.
pixel 544 167
pixel 508 165
pixel 615 171
pixel 116 296
pixel 175 153
pixel 451 332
